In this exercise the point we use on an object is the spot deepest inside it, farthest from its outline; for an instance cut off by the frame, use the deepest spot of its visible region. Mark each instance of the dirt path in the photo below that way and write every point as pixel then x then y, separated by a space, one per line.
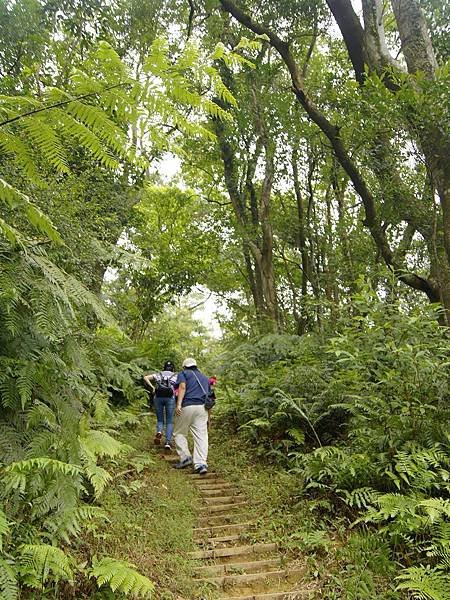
pixel 227 560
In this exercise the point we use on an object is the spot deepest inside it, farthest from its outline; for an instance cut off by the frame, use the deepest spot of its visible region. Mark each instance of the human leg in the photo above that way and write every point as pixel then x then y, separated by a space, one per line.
pixel 170 411
pixel 199 430
pixel 181 431
pixel 159 409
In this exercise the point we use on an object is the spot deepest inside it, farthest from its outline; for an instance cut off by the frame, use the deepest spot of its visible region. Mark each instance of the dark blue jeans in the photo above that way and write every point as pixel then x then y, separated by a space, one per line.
pixel 167 405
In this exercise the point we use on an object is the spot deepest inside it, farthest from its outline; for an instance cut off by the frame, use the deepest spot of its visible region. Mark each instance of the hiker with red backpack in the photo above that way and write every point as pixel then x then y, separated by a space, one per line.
pixel 164 401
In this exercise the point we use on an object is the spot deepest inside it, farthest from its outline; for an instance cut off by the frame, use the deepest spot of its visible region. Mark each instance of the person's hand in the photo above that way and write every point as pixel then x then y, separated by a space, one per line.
pixel 178 410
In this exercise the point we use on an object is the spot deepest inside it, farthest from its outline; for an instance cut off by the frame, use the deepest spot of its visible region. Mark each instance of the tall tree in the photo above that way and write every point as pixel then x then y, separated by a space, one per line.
pixel 367 48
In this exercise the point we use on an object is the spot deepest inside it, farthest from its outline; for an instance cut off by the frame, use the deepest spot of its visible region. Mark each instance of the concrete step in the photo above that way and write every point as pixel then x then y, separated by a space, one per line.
pixel 218 529
pixel 235 567
pixel 233 551
pixel 221 499
pixel 216 492
pixel 231 580
pixel 270 596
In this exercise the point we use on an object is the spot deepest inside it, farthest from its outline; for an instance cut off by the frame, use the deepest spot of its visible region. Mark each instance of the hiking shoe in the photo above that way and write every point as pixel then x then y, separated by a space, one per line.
pixel 167 446
pixel 201 469
pixel 183 463
pixel 157 439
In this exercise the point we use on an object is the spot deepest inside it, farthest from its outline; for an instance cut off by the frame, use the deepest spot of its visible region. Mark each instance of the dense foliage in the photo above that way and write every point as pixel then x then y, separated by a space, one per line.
pixel 364 417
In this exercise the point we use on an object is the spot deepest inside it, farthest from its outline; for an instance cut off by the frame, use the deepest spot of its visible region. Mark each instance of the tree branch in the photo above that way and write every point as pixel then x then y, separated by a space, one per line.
pixel 371 220
pixel 190 18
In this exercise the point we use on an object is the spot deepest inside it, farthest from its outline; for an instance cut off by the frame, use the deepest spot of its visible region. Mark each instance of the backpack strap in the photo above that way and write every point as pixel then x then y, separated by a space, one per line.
pixel 200 384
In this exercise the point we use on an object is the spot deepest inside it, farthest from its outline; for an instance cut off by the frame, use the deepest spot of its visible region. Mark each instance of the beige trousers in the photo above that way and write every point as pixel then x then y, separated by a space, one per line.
pixel 195 420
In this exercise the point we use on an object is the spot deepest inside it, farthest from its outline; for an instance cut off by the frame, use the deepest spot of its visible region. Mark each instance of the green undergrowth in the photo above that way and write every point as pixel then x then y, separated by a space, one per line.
pixel 151 517
pixel 345 564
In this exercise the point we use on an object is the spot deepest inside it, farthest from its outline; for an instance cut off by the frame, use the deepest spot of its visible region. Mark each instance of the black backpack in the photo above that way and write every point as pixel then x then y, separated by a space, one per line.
pixel 164 388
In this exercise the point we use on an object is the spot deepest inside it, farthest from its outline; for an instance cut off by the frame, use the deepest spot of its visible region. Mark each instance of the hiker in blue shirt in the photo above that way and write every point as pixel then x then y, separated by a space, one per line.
pixel 192 415
pixel 164 401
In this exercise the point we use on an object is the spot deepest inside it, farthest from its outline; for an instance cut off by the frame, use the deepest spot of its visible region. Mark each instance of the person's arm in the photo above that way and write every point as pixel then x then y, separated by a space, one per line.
pixel 181 392
pixel 149 379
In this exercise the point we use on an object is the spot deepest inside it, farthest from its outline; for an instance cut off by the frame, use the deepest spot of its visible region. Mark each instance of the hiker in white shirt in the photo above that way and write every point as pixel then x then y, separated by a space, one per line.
pixel 164 401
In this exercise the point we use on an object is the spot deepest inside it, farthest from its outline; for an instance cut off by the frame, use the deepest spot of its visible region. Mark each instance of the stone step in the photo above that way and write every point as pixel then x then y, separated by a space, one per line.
pixel 229 580
pixel 217 508
pixel 270 596
pixel 216 492
pixel 229 568
pixel 210 531
pixel 221 499
pixel 233 551
pixel 226 519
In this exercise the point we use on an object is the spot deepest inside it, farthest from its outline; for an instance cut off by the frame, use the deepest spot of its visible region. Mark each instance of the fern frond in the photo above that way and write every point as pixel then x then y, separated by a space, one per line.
pixel 13 145
pixel 11 234
pixel 121 577
pixel 97 121
pixel 426 583
pixel 45 464
pixel 42 562
pixel 45 139
pixel 215 110
pixel 16 199
pixel 4 527
pixel 157 61
pixel 98 476
pixel 435 508
pixel 99 443
pixel 73 290
pixel 87 138
pixel 360 497
pixel 9 589
pixel 41 414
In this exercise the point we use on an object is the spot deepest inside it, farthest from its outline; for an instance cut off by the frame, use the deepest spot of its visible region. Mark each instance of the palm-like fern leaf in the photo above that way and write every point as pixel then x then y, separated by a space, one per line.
pixel 9 589
pixel 17 199
pixel 41 562
pixel 426 583
pixel 4 527
pixel 122 577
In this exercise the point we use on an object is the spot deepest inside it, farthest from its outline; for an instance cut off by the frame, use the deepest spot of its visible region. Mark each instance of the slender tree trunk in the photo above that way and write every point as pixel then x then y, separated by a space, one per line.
pixel 301 242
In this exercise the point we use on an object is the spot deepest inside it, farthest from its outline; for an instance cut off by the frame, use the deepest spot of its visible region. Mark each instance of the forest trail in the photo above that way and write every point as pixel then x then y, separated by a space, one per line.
pixel 228 558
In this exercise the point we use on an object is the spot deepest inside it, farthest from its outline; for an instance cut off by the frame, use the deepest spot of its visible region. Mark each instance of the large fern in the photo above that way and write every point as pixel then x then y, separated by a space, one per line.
pixel 122 577
pixel 425 583
pixel 40 563
pixel 103 100
pixel 9 588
